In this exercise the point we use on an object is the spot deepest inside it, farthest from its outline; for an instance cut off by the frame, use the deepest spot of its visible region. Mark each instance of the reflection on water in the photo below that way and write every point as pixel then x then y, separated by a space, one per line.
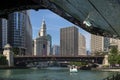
pixel 51 74
pixel 73 74
pixel 7 73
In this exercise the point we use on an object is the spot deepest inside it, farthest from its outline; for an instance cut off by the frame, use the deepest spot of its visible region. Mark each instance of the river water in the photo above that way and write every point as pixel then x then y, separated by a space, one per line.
pixel 51 74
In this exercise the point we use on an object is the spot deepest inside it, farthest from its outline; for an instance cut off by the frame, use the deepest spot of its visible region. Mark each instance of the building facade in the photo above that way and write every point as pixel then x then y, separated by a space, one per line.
pixel 20 32
pixel 28 35
pixel 56 50
pixel 115 42
pixel 103 44
pixel 69 41
pixel 81 44
pixel 106 44
pixel 49 46
pixel 97 43
pixel 40 46
pixel 3 33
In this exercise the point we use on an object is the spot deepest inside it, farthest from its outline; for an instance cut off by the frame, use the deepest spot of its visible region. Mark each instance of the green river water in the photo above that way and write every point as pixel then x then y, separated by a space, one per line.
pixel 51 74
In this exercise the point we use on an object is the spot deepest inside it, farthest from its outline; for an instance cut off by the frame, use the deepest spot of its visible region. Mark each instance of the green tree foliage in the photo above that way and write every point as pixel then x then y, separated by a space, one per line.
pixel 114 57
pixel 99 53
pixel 15 50
pixel 78 63
pixel 114 50
pixel 3 60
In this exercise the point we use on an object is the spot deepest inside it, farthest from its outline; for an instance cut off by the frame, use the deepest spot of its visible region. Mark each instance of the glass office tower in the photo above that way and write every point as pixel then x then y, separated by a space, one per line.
pixel 20 32
pixel 3 33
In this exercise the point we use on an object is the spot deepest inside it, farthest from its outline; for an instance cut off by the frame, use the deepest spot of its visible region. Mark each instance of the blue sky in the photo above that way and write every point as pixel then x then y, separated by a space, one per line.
pixel 53 23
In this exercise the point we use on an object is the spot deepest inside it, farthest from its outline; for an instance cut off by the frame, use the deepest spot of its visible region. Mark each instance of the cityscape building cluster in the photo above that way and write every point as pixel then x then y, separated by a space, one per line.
pixel 17 31
pixel 103 44
pixel 72 43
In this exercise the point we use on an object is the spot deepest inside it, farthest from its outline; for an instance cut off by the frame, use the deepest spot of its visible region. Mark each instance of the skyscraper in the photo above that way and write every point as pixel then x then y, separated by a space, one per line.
pixel 20 32
pixel 81 44
pixel 41 43
pixel 102 44
pixel 28 35
pixel 97 43
pixel 56 50
pixel 69 41
pixel 49 46
pixel 3 33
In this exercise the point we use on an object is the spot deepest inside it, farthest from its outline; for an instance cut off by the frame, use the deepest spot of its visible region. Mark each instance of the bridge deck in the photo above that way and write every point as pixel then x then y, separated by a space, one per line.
pixel 91 59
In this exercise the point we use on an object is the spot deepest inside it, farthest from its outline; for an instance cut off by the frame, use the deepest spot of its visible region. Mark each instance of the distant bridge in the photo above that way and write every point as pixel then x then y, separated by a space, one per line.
pixel 27 59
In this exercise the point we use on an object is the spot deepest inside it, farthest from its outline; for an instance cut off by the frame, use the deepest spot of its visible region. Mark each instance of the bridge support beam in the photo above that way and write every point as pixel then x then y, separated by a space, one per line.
pixel 9 55
pixel 105 61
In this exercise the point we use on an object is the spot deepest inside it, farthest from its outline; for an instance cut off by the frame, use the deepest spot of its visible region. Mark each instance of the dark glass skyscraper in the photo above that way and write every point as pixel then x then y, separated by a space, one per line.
pixel 20 32
pixel 3 33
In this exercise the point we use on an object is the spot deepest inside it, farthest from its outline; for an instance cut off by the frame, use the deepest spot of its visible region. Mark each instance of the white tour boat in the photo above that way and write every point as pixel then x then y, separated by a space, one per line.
pixel 73 68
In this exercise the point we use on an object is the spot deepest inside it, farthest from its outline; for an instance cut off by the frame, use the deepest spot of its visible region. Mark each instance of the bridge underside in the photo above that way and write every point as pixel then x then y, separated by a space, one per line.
pixel 101 17
pixel 27 59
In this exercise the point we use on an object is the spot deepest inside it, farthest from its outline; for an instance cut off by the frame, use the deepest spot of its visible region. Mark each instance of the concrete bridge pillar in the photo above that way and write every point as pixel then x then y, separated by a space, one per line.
pixel 105 60
pixel 9 55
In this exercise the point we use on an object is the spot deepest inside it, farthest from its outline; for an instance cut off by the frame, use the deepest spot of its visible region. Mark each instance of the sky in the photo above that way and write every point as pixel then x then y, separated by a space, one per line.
pixel 53 24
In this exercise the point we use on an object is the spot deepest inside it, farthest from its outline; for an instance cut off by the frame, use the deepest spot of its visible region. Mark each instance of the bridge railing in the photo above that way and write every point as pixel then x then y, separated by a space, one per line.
pixel 113 77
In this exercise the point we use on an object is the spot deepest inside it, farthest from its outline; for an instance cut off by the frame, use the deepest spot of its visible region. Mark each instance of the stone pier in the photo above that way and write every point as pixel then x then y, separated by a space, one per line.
pixel 9 55
pixel 105 61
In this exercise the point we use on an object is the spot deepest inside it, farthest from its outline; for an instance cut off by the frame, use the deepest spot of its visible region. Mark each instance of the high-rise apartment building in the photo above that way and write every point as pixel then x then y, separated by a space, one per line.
pixel 81 44
pixel 115 42
pixel 69 41
pixel 20 32
pixel 97 43
pixel 102 44
pixel 3 33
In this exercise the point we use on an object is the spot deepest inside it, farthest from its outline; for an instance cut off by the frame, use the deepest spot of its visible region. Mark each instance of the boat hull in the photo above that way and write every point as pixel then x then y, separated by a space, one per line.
pixel 73 70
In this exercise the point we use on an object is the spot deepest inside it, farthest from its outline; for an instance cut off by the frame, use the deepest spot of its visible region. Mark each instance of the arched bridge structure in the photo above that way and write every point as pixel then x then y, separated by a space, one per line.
pixel 27 59
pixel 101 17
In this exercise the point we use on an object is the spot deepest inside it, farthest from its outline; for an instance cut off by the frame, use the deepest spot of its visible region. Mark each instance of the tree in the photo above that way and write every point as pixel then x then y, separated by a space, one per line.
pixel 15 50
pixel 78 63
pixel 3 60
pixel 100 53
pixel 114 57
pixel 114 50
